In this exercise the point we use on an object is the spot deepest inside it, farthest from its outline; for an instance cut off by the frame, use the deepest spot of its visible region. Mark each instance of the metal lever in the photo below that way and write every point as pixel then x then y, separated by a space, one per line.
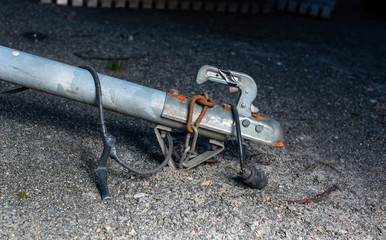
pixel 243 82
pixel 229 78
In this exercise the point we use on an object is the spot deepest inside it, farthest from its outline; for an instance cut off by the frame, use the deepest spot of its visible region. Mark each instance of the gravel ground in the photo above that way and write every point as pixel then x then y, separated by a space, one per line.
pixel 323 80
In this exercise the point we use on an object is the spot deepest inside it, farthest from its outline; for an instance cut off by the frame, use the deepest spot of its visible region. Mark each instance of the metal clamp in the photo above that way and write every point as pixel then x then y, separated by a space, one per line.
pixel 185 155
pixel 241 81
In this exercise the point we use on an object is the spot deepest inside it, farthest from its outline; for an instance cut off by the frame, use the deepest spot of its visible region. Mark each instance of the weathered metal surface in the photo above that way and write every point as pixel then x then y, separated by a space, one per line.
pixel 220 120
pixel 77 84
pixel 128 98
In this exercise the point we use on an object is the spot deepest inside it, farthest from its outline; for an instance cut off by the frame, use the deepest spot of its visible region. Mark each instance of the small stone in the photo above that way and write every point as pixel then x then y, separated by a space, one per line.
pixel 98 230
pixel 132 232
pixel 370 89
pixel 140 195
pixel 252 227
pixel 127 195
pixel 107 228
pixel 206 183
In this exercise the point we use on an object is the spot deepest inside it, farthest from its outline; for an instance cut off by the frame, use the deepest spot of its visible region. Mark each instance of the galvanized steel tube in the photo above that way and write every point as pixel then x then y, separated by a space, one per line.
pixel 77 84
pixel 125 97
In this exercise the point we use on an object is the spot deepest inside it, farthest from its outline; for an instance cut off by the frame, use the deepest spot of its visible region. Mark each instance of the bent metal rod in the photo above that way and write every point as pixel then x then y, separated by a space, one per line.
pixel 167 110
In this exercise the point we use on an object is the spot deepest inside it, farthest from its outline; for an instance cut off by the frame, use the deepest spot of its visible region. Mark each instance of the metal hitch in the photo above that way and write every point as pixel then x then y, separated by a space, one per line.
pixel 179 120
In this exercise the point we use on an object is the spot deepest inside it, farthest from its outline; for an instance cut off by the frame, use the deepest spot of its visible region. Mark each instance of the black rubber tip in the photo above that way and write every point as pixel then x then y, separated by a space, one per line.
pixel 102 173
pixel 254 178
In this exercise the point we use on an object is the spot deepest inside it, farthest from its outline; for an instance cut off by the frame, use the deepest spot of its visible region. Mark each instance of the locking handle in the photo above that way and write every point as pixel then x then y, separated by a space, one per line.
pixel 241 81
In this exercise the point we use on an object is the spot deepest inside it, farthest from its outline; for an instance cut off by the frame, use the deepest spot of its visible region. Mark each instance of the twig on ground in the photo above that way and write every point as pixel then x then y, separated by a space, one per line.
pixel 322 162
pixel 318 198
pixel 312 167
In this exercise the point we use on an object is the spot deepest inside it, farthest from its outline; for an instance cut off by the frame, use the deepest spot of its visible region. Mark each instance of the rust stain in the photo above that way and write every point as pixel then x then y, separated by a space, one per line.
pixel 279 144
pixel 182 98
pixel 226 108
pixel 259 117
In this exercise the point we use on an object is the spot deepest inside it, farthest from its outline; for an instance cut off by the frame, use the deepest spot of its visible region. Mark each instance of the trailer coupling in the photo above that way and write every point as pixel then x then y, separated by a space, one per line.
pixel 189 117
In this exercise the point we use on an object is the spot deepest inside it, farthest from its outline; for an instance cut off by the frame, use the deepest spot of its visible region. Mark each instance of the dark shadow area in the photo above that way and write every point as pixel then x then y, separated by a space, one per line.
pixel 64 116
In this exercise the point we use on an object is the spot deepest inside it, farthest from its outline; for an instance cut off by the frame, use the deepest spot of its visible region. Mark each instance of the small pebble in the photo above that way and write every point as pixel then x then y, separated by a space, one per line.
pixel 140 195
pixel 253 227
pixel 206 183
pixel 370 89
